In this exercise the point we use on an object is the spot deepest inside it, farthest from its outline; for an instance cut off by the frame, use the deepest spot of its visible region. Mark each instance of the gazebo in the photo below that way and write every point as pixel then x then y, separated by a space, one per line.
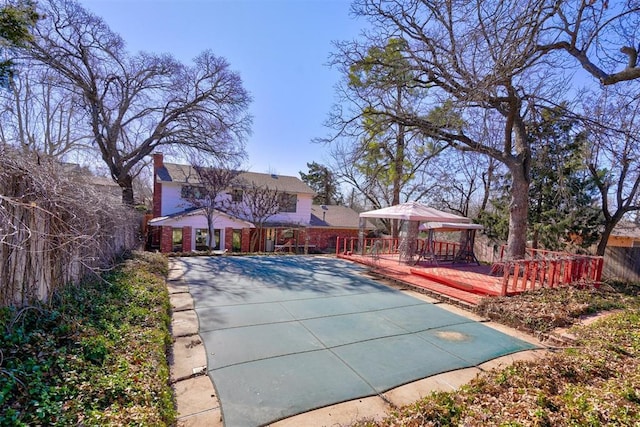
pixel 414 213
pixel 464 254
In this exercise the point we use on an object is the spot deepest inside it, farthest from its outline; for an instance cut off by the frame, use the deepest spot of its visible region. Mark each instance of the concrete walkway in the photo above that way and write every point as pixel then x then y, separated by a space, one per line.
pixel 196 399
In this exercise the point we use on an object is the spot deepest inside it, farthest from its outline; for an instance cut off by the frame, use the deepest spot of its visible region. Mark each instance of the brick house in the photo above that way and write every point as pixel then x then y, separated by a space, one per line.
pixel 625 235
pixel 300 226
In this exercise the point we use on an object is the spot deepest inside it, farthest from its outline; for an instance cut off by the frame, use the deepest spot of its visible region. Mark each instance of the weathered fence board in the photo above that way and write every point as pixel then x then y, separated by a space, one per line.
pixel 55 229
pixel 622 264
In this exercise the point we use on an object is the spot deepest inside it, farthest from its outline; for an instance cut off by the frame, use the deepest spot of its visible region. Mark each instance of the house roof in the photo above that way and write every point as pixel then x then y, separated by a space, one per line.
pixel 107 185
pixel 627 229
pixel 173 218
pixel 172 172
pixel 333 216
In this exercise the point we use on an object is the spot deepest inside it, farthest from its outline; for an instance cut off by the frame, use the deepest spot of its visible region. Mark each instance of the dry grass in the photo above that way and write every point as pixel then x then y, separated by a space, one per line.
pixel 541 311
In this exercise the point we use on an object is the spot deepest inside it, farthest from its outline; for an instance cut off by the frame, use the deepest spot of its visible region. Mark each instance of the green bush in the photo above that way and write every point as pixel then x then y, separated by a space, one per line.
pixel 96 355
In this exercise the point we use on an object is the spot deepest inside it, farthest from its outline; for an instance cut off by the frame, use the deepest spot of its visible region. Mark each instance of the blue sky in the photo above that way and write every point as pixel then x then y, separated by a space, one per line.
pixel 279 47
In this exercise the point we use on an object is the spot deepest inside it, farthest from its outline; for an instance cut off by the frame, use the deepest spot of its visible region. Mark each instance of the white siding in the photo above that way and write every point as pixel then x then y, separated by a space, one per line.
pixel 302 215
pixel 171 200
pixel 173 203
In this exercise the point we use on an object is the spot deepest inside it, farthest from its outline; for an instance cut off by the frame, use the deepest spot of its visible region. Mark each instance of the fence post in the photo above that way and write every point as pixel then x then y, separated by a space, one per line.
pixel 505 278
pixel 600 265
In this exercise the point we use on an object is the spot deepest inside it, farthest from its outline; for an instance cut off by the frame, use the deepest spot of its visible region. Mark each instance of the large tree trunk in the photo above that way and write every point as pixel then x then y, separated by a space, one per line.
pixel 398 164
pixel 126 184
pixel 516 134
pixel 604 239
pixel 518 212
pixel 609 224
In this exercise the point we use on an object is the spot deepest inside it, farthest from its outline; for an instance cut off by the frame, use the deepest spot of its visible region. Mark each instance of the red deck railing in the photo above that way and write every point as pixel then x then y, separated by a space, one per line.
pixel 389 246
pixel 539 269
pixel 547 269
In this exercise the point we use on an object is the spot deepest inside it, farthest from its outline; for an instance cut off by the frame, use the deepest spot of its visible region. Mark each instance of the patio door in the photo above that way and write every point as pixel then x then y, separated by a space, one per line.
pixel 202 239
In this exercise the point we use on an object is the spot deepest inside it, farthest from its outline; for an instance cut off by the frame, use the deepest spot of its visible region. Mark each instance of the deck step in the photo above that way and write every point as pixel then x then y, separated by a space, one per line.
pixel 453 283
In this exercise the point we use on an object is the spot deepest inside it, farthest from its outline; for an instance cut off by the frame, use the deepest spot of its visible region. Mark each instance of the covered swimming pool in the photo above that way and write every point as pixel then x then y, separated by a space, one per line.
pixel 288 334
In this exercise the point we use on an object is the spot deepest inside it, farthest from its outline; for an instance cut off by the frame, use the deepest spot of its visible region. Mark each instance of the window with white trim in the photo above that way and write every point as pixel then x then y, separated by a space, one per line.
pixel 287 202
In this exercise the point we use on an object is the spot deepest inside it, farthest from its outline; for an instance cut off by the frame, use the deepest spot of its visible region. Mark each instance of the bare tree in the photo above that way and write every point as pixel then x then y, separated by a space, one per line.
pixel 601 35
pixel 379 156
pixel 258 204
pixel 459 177
pixel 614 157
pixel 490 55
pixel 39 116
pixel 210 192
pixel 139 103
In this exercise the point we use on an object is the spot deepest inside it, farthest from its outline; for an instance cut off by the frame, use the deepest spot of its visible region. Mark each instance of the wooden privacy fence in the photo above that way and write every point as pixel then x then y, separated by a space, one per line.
pixel 55 229
pixel 622 263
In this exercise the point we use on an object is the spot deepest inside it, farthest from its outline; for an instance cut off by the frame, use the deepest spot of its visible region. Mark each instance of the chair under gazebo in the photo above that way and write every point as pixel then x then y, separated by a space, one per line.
pixel 464 253
pixel 413 213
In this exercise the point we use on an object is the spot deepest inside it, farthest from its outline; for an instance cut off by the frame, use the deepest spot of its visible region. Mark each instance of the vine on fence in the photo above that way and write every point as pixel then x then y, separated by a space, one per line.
pixel 55 227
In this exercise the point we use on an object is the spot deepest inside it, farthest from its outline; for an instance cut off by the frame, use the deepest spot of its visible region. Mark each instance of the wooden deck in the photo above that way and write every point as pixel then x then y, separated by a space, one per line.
pixel 468 282
pixel 463 283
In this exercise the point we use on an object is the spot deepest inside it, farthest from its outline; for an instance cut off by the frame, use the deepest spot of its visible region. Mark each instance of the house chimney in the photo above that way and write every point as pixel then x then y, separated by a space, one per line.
pixel 158 163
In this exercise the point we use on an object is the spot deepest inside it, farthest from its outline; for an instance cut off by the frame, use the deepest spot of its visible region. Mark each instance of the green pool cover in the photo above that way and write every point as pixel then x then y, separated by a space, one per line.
pixel 287 334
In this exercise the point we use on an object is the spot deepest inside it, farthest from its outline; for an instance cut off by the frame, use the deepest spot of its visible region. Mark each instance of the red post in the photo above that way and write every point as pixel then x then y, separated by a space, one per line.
pixel 554 273
pixel 505 278
pixel 516 275
pixel 543 273
pixel 228 239
pixel 600 265
pixel 534 273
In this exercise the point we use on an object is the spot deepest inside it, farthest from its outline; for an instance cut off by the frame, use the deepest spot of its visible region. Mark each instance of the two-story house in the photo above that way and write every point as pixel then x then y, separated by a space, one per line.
pixel 179 226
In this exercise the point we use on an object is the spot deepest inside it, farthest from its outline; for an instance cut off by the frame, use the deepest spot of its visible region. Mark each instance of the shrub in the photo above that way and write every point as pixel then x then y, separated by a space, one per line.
pixel 96 355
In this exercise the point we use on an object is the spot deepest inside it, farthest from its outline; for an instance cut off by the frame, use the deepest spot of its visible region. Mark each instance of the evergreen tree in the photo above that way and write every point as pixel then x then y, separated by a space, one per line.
pixel 324 183
pixel 16 21
pixel 562 212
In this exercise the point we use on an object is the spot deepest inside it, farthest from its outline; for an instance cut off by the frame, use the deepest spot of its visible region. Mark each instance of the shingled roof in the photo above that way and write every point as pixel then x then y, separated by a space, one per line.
pixel 627 229
pixel 333 216
pixel 172 172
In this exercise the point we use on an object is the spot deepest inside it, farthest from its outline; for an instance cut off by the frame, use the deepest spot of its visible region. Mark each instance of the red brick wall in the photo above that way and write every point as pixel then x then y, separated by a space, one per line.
pixel 155 236
pixel 187 232
pixel 166 239
pixel 228 239
pixel 157 199
pixel 246 239
pixel 325 238
pixel 158 162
